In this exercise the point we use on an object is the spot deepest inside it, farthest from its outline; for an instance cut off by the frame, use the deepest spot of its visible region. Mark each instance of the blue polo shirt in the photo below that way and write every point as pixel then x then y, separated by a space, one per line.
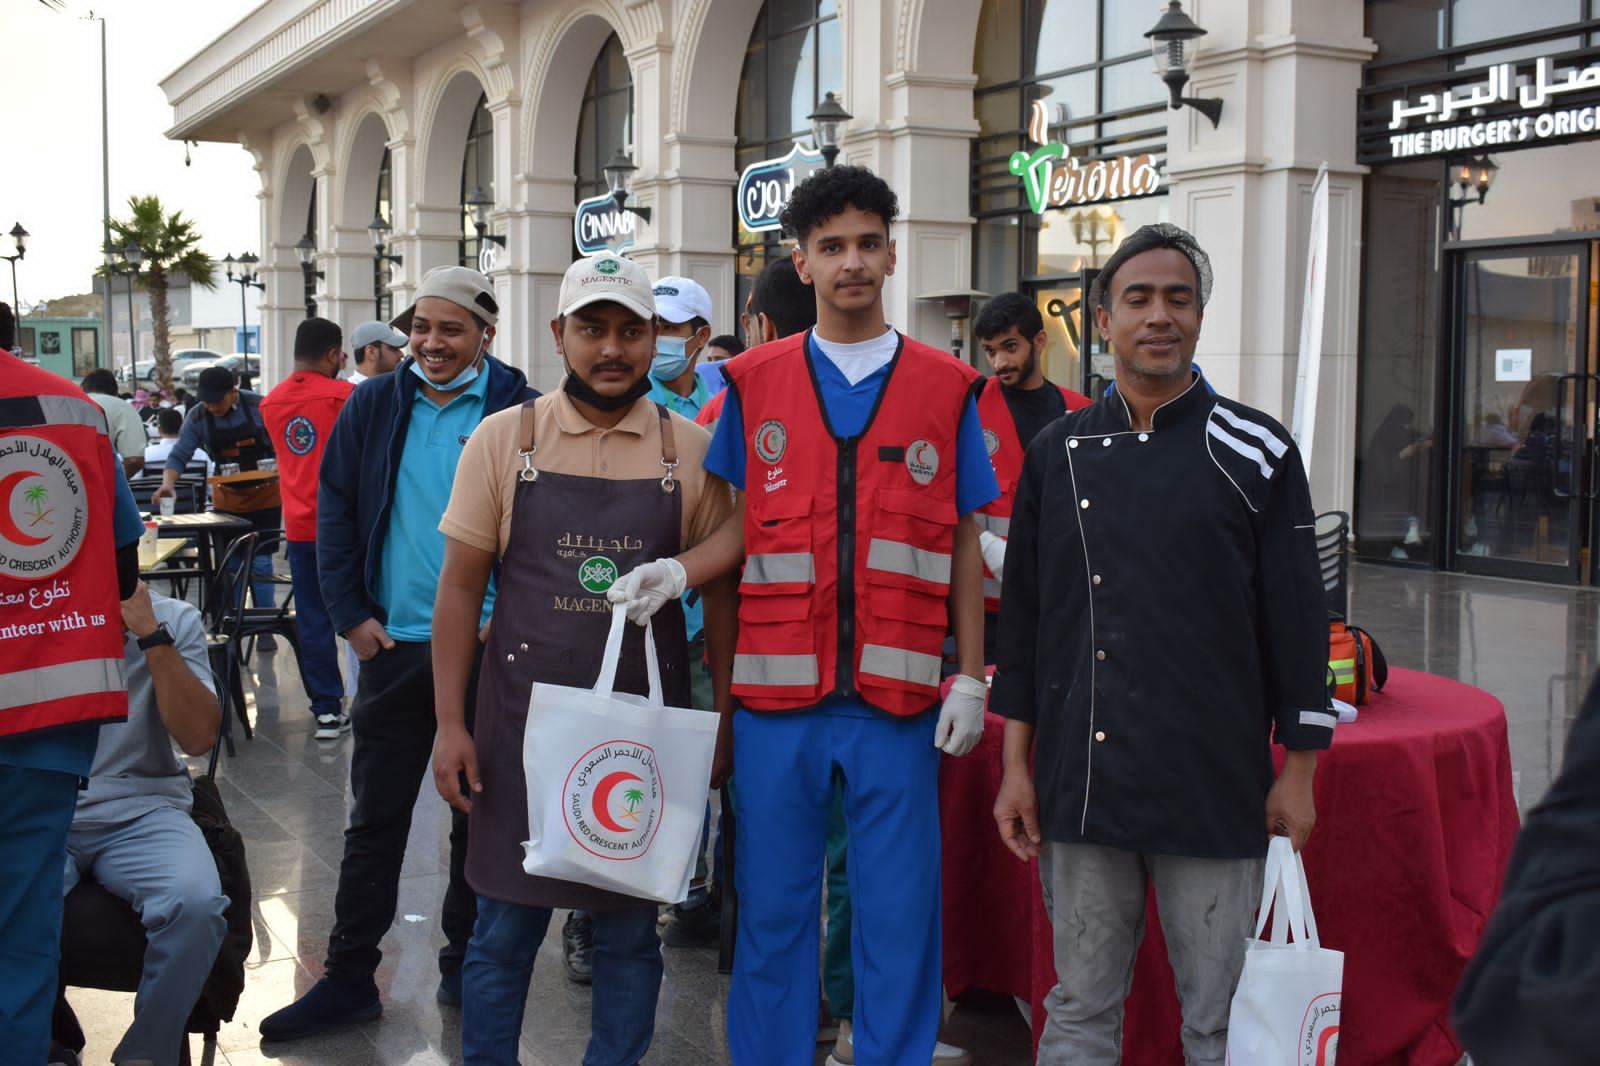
pixel 687 406
pixel 849 406
pixel 413 547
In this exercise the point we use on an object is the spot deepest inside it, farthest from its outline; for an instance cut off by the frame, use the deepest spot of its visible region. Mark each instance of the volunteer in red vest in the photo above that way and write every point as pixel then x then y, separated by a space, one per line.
pixel 861 460
pixel 69 531
pixel 299 414
pixel 562 493
pixel 1015 404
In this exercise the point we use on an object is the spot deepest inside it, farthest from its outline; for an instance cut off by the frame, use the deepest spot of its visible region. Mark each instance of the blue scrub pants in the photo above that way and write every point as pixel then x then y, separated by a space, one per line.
pixel 35 811
pixel 785 765
pixel 319 653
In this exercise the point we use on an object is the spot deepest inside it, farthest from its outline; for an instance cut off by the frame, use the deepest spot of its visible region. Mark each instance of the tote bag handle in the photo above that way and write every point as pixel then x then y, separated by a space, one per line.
pixel 613 655
pixel 1285 894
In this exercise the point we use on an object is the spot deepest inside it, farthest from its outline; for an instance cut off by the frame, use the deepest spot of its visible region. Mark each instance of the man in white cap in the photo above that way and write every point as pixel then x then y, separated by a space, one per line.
pixel 599 464
pixel 376 347
pixel 386 478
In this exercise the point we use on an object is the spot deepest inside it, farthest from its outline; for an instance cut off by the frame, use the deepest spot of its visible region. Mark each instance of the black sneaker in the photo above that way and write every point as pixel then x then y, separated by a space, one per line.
pixel 329 1005
pixel 694 927
pixel 577 947
pixel 449 992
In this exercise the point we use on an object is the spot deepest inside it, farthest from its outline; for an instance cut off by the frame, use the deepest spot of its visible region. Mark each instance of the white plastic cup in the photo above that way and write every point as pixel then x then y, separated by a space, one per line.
pixel 169 506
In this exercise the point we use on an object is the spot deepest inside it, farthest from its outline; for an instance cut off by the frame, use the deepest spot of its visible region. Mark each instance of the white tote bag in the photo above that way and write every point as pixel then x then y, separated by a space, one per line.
pixel 1286 1009
pixel 616 783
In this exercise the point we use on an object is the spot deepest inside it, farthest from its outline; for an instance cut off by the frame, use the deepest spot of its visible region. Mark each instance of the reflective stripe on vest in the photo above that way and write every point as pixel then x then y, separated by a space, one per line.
pixel 775 568
pixel 776 670
pixel 999 525
pixel 909 560
pixel 42 684
pixel 71 411
pixel 900 664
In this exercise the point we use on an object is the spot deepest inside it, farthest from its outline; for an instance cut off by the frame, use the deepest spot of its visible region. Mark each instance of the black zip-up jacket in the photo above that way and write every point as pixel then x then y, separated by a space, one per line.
pixel 1162 615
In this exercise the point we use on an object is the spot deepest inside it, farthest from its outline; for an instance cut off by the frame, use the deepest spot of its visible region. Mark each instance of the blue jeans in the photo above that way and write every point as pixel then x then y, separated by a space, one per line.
pixel 499 965
pixel 319 652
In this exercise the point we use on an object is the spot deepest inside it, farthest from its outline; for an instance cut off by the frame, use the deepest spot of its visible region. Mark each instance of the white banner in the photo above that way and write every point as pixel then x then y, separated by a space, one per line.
pixel 1304 427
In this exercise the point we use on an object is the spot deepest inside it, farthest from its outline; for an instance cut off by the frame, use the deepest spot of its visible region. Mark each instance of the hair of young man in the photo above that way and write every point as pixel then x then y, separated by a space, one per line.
pixel 833 191
pixel 789 303
pixel 8 327
pixel 1007 310
pixel 314 338
pixel 101 380
pixel 728 343
pixel 1144 239
pixel 696 324
pixel 169 420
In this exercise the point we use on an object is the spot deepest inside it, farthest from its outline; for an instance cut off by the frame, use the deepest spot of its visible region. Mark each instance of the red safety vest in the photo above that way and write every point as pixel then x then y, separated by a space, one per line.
pixel 1006 453
pixel 60 618
pixel 847 541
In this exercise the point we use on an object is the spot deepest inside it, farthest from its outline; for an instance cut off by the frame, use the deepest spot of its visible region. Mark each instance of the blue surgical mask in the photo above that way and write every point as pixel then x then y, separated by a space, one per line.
pixel 461 380
pixel 671 358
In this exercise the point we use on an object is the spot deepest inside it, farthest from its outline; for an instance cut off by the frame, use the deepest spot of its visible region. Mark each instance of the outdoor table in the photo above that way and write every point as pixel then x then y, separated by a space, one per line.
pixel 150 562
pixel 1415 822
pixel 211 530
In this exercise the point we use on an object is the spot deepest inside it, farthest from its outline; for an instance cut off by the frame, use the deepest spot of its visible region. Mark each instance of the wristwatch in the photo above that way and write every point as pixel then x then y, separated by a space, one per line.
pixel 161 635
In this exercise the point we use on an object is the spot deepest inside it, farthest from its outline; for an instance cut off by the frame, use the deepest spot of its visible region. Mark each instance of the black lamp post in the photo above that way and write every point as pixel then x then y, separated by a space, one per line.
pixel 619 171
pixel 827 123
pixel 132 257
pixel 378 229
pixel 247 277
pixel 1175 42
pixel 480 203
pixel 306 252
pixel 1468 176
pixel 19 237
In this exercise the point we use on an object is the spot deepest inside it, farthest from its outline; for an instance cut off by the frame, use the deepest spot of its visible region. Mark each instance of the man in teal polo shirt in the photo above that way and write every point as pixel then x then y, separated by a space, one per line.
pixel 386 477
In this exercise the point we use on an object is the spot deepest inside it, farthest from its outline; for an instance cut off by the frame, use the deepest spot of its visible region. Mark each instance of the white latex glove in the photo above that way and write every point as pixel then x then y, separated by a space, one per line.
pixel 994 551
pixel 961 718
pixel 644 589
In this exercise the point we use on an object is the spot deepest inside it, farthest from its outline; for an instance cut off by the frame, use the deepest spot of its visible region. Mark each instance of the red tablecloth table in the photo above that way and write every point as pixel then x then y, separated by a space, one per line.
pixel 1415 821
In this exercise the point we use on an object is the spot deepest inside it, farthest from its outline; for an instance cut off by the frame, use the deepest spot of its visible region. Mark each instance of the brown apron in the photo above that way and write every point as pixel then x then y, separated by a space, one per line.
pixel 570 537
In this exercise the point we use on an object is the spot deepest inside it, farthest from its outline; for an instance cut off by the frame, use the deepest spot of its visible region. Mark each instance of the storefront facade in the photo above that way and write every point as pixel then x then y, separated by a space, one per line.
pixel 1024 138
pixel 1481 256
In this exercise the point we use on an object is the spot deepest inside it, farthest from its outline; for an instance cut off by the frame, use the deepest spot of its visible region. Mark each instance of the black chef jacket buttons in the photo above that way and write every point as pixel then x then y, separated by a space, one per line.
pixel 1100 655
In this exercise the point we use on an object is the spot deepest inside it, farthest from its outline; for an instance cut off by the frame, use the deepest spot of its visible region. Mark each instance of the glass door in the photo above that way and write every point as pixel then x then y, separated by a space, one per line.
pixel 1525 399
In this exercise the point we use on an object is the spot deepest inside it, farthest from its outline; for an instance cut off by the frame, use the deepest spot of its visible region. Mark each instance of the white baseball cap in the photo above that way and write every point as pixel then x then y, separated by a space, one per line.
pixel 681 299
pixel 607 277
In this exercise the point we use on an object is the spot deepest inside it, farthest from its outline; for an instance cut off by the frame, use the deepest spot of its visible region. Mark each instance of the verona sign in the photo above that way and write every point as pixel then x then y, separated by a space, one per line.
pixel 1053 177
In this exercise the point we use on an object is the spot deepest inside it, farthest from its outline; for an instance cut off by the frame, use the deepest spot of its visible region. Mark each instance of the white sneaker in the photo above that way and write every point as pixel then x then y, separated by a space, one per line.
pixel 330 726
pixel 844 1051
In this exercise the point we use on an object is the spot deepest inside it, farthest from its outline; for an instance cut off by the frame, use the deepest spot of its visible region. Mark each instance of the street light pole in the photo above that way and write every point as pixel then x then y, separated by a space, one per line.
pixel 19 237
pixel 105 171
pixel 247 277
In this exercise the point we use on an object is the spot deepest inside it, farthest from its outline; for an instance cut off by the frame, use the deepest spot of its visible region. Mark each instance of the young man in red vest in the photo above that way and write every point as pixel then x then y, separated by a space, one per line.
pixel 300 413
pixel 1014 406
pixel 861 460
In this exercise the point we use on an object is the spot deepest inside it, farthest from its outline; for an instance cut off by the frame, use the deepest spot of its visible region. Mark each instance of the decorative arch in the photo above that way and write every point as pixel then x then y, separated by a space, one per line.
pixel 705 82
pixel 368 136
pixel 296 186
pixel 563 58
pixel 445 117
pixel 935 36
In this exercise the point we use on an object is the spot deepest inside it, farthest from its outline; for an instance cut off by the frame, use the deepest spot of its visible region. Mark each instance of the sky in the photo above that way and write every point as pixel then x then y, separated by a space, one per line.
pixel 50 180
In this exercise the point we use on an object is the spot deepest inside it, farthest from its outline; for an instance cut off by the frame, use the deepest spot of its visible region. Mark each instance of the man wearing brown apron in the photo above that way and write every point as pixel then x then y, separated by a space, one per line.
pixel 565 493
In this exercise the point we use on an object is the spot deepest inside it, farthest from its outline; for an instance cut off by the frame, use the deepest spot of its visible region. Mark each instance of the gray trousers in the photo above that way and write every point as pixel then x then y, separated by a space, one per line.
pixel 160 864
pixel 1096 900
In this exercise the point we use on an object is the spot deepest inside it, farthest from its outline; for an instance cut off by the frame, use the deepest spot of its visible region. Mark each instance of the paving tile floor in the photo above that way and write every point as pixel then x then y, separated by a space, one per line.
pixel 1533 646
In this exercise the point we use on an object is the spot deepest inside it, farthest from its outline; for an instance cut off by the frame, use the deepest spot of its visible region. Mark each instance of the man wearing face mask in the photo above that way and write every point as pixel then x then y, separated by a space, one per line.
pixel 597 464
pixel 386 478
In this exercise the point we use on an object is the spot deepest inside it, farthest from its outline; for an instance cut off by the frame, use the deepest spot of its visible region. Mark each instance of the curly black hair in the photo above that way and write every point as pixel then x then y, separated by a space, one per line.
pixel 830 192
pixel 1007 310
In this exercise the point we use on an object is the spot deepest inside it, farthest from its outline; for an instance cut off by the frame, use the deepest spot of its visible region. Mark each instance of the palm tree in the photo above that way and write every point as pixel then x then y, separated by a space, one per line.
pixel 36 496
pixel 171 248
pixel 633 797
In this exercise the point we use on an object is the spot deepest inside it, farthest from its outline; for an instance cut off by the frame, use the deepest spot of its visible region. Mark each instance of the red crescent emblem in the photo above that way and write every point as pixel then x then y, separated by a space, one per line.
pixel 8 527
pixel 602 800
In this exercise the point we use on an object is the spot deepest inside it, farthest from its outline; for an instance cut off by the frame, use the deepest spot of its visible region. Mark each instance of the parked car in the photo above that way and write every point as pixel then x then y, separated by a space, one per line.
pixel 243 366
pixel 140 375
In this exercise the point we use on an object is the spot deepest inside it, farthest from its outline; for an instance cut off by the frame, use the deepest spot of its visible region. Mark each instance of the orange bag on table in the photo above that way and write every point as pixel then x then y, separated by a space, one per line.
pixel 1356 666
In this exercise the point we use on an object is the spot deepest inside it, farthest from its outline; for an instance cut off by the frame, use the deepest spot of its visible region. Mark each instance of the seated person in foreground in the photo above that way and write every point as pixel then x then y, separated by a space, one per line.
pixel 132 831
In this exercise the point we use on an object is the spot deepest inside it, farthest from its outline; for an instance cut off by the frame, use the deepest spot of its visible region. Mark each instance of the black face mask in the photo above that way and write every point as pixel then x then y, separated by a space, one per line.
pixel 581 391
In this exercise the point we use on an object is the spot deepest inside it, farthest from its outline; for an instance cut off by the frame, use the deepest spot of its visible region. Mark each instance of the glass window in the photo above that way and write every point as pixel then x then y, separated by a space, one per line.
pixel 605 123
pixel 998 57
pixel 85 349
pixel 25 338
pixel 477 171
pixel 1064 35
pixel 1396 415
pixel 1406 29
pixel 1485 20
pixel 311 275
pixel 1536 190
pixel 794 57
pixel 1130 85
pixel 381 296
pixel 1122 32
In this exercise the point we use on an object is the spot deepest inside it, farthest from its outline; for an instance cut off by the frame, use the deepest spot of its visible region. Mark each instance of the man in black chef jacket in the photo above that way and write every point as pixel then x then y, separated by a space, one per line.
pixel 1161 623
